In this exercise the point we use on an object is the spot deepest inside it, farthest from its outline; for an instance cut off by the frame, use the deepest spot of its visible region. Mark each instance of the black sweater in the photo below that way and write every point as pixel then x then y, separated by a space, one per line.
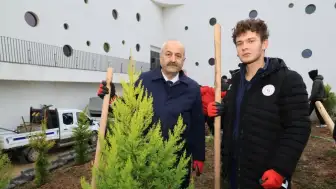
pixel 273 128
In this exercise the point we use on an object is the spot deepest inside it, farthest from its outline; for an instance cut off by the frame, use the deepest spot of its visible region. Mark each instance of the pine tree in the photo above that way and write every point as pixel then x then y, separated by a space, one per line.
pixel 40 143
pixel 82 135
pixel 134 159
pixel 5 170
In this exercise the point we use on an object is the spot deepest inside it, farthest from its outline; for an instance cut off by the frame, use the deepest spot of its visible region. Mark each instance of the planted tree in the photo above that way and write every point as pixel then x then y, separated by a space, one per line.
pixel 41 145
pixel 5 170
pixel 82 135
pixel 134 155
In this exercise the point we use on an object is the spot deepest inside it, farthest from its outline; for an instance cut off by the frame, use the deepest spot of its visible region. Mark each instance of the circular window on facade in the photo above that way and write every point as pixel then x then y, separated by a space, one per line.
pixel 211 61
pixel 67 50
pixel 66 26
pixel 88 43
pixel 196 63
pixel 291 5
pixel 115 14
pixel 212 21
pixel 138 17
pixel 31 19
pixel 86 1
pixel 137 47
pixel 310 9
pixel 106 47
pixel 123 42
pixel 307 53
pixel 186 28
pixel 253 14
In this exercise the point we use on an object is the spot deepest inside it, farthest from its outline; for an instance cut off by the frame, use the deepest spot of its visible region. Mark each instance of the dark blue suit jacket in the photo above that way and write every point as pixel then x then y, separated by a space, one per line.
pixel 183 97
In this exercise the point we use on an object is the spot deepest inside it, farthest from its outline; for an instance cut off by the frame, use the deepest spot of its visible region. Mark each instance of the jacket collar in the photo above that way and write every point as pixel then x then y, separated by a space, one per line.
pixel 157 75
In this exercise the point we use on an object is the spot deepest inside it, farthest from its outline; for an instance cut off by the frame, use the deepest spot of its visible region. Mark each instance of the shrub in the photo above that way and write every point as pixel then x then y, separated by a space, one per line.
pixel 330 102
pixel 82 135
pixel 40 143
pixel 134 159
pixel 5 170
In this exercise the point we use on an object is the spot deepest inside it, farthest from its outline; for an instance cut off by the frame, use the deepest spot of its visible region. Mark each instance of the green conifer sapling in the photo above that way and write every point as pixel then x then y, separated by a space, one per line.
pixel 82 135
pixel 134 159
pixel 40 143
pixel 5 170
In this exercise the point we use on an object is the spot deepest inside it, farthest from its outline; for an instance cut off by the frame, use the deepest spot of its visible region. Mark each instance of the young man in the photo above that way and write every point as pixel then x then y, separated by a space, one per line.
pixel 317 94
pixel 174 94
pixel 265 115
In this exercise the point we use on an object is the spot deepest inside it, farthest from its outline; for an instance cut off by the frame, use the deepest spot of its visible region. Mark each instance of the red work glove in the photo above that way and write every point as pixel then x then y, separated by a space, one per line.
pixel 103 90
pixel 271 179
pixel 215 109
pixel 198 167
pixel 208 95
pixel 223 94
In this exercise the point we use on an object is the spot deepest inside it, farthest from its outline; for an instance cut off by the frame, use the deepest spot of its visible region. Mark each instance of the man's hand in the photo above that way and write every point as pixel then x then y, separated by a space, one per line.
pixel 271 180
pixel 215 109
pixel 208 96
pixel 198 167
pixel 103 90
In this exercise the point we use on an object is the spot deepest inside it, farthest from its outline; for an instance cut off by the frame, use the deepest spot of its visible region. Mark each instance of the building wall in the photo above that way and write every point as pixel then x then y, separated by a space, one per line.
pixel 291 31
pixel 47 69
pixel 87 22
pixel 17 97
pixel 34 69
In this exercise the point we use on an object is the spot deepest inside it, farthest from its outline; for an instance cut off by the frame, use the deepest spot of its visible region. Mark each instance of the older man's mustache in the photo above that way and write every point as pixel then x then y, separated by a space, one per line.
pixel 172 64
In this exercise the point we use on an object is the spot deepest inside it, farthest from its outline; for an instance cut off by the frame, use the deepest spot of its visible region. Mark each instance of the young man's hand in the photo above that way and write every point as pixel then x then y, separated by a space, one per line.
pixel 215 109
pixel 208 96
pixel 271 179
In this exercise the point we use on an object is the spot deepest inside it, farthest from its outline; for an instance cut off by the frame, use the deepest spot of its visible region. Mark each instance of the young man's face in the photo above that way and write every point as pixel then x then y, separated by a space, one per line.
pixel 249 47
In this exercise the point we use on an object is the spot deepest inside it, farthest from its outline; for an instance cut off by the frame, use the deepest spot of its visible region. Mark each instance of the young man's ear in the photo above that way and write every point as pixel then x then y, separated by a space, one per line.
pixel 264 44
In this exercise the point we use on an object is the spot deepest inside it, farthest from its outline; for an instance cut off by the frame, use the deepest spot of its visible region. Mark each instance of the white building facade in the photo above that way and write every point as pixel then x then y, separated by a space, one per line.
pixel 57 52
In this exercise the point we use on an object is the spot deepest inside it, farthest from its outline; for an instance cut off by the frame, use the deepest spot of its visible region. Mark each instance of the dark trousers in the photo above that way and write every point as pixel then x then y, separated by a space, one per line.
pixel 311 108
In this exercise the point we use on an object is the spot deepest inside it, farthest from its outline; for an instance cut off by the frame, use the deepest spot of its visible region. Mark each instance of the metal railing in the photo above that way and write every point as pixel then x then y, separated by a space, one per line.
pixel 26 52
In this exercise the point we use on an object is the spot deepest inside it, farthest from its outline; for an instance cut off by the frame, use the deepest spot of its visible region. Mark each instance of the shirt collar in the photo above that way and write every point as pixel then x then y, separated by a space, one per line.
pixel 175 79
pixel 157 74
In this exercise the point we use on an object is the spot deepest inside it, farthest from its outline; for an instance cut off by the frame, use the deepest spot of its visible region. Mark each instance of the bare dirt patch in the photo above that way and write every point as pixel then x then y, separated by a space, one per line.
pixel 316 169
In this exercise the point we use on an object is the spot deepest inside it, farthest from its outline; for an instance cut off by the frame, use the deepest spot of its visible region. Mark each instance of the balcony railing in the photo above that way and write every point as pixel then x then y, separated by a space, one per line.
pixel 26 52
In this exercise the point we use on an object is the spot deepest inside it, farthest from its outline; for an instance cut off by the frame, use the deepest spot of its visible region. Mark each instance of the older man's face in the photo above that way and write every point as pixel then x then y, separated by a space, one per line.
pixel 172 57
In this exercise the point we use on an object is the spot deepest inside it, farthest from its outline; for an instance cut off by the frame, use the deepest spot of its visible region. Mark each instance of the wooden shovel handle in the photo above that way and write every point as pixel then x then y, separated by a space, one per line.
pixel 103 122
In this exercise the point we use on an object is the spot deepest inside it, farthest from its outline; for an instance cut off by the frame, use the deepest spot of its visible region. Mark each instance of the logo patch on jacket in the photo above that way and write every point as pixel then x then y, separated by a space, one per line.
pixel 268 90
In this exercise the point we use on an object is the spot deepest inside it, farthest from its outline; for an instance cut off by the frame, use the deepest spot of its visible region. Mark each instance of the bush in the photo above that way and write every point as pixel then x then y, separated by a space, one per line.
pixel 134 159
pixel 40 143
pixel 5 170
pixel 82 135
pixel 330 102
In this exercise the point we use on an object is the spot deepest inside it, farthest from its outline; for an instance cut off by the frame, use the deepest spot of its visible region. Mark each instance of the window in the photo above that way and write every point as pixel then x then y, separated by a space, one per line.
pixel 154 60
pixel 31 19
pixel 67 50
pixel 67 118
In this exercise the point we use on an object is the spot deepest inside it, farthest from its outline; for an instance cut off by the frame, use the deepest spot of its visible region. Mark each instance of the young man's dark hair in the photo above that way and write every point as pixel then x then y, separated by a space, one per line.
pixel 254 25
pixel 317 94
pixel 265 117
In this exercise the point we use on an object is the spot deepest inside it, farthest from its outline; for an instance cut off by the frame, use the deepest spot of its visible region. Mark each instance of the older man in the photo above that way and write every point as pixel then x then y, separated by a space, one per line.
pixel 173 94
